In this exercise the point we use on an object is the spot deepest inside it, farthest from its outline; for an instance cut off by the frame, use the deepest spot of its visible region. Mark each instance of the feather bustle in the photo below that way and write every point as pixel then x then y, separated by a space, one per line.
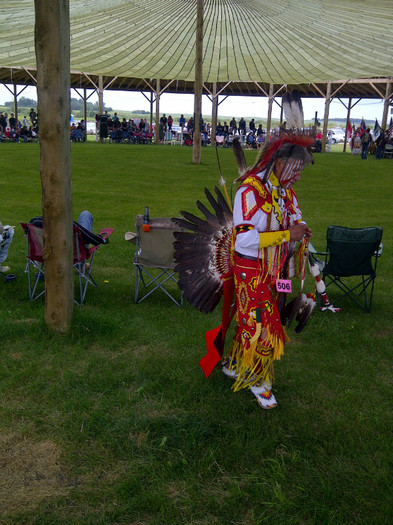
pixel 201 252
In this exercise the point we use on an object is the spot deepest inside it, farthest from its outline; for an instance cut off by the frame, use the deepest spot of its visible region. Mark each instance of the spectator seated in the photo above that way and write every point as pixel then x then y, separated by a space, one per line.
pixel 76 135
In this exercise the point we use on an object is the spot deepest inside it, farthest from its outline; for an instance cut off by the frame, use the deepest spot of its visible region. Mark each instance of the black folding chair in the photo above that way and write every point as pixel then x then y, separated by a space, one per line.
pixel 350 262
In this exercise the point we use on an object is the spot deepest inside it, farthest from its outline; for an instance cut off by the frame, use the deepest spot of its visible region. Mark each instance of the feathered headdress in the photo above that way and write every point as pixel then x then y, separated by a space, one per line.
pixel 292 134
pixel 271 150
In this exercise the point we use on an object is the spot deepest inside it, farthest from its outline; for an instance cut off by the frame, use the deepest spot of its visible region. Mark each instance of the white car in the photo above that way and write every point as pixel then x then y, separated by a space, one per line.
pixel 336 135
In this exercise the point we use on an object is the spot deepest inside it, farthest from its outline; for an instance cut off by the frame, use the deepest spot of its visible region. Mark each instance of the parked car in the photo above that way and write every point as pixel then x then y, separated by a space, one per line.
pixel 336 135
pixel 91 128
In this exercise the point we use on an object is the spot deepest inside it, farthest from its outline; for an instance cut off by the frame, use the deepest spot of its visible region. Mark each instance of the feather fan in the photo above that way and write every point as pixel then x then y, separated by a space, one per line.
pixel 203 252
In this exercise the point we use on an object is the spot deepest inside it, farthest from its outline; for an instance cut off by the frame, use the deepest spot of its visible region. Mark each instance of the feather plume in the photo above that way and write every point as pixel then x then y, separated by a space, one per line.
pixel 293 110
pixel 300 307
pixel 228 215
pixel 286 107
pixel 298 303
pixel 202 225
pixel 216 207
pixel 210 217
pixel 304 314
pixel 239 155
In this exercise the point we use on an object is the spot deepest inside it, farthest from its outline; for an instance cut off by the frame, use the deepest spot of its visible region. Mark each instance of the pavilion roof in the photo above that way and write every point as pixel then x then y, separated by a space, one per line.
pixel 302 42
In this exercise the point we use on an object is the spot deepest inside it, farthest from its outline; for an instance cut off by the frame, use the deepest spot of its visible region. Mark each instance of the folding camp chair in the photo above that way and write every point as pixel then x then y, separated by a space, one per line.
pixel 350 262
pixel 388 151
pixel 82 261
pixel 153 260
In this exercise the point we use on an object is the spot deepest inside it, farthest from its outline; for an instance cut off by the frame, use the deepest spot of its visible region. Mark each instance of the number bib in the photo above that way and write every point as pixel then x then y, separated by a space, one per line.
pixel 284 285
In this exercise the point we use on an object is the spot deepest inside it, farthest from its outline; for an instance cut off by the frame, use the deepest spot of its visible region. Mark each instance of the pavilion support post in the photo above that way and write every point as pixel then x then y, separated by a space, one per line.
pixel 386 105
pixel 85 106
pixel 16 101
pixel 346 127
pixel 214 113
pixel 157 126
pixel 269 111
pixel 100 94
pixel 151 111
pixel 100 100
pixel 52 47
pixel 196 157
pixel 326 116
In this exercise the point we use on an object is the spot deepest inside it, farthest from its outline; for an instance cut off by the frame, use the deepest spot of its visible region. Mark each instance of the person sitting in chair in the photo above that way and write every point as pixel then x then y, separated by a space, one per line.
pixel 6 235
pixel 85 224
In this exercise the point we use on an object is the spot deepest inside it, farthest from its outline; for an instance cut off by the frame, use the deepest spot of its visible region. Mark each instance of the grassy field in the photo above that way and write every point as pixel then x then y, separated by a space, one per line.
pixel 114 423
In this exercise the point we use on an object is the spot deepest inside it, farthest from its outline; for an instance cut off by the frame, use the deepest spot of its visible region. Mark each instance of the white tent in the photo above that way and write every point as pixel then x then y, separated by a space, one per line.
pixel 280 41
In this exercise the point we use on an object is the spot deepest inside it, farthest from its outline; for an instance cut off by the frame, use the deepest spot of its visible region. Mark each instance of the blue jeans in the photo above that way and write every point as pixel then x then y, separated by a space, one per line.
pixel 378 154
pixel 5 245
pixel 85 219
pixel 364 150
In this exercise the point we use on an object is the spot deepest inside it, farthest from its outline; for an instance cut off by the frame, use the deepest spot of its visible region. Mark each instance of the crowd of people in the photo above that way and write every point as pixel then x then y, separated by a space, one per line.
pixel 12 129
pixel 364 141
pixel 119 129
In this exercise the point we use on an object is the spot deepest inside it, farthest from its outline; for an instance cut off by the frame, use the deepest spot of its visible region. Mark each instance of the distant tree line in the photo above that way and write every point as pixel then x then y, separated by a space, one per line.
pixel 22 102
pixel 76 104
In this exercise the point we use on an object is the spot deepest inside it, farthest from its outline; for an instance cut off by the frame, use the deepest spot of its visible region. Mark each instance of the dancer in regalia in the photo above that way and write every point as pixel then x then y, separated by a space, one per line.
pixel 252 252
pixel 267 225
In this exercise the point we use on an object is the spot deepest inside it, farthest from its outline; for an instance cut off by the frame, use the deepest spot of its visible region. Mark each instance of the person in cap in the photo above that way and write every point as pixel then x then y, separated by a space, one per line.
pixel 268 226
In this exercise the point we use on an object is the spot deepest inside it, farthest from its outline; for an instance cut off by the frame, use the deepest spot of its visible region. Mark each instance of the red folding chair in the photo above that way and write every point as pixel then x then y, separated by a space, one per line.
pixel 83 261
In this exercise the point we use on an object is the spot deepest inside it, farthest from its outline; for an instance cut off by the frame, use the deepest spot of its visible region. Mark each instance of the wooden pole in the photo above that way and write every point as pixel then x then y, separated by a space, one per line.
pixel 269 112
pixel 386 105
pixel 151 112
pixel 326 116
pixel 52 47
pixel 157 126
pixel 346 127
pixel 85 107
pixel 196 158
pixel 100 103
pixel 100 95
pixel 16 104
pixel 214 113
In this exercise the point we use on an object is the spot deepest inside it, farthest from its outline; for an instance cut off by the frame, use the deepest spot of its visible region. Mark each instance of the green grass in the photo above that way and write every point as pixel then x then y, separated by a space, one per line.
pixel 114 423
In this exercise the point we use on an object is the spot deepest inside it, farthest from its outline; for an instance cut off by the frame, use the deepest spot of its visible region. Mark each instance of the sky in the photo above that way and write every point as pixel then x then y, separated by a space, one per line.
pixel 233 106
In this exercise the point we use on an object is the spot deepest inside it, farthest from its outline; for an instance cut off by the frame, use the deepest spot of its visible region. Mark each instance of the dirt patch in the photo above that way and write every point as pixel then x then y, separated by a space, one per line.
pixel 30 472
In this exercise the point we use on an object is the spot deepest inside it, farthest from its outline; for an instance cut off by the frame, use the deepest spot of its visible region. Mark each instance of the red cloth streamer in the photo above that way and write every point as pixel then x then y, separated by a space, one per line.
pixel 215 338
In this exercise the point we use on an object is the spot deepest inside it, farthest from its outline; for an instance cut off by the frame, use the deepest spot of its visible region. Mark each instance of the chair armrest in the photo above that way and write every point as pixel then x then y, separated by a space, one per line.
pixel 379 251
pixel 130 237
pixel 313 251
pixel 313 255
pixel 105 232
